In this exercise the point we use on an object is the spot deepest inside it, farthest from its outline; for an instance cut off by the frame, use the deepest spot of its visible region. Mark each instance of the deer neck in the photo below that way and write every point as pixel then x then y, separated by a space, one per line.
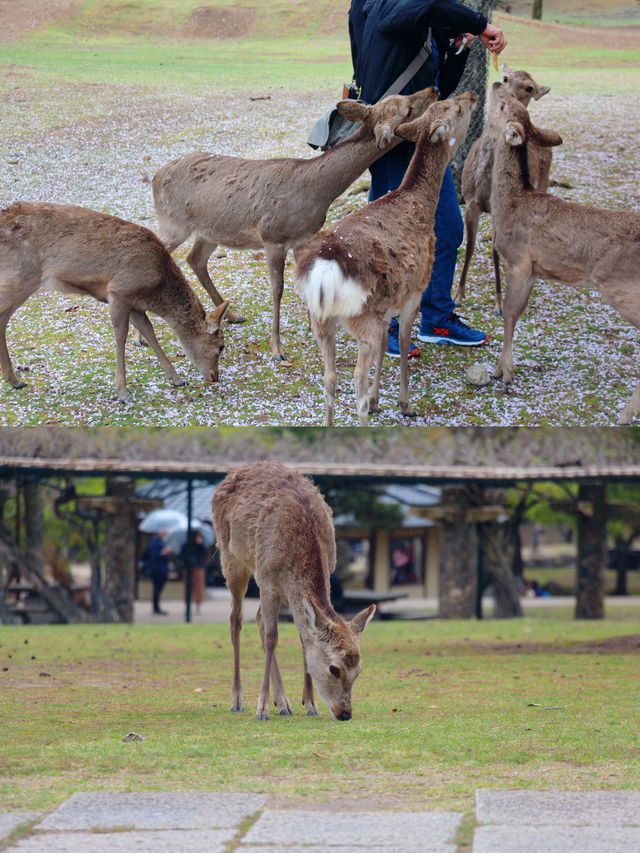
pixel 338 168
pixel 425 173
pixel 510 178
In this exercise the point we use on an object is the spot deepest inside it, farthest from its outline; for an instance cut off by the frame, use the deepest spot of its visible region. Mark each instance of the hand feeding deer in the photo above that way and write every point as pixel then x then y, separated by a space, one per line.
pixel 76 250
pixel 376 262
pixel 541 235
pixel 478 168
pixel 273 523
pixel 274 204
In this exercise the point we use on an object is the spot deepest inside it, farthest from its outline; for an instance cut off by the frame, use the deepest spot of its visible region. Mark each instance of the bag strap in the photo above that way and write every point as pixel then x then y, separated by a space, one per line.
pixel 409 72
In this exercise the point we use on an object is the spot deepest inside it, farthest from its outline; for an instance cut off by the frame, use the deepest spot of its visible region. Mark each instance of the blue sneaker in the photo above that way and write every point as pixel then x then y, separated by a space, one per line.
pixel 393 348
pixel 452 331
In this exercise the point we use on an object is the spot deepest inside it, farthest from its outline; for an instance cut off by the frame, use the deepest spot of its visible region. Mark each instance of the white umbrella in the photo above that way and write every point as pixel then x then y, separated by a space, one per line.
pixel 162 519
pixel 177 535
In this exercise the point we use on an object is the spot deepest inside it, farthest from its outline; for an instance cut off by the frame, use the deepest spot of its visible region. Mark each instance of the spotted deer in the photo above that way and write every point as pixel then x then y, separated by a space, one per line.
pixel 273 523
pixel 274 204
pixel 478 168
pixel 538 234
pixel 375 263
pixel 76 250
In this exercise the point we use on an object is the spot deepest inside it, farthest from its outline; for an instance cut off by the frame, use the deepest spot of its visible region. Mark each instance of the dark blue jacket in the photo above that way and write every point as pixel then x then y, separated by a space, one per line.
pixel 386 35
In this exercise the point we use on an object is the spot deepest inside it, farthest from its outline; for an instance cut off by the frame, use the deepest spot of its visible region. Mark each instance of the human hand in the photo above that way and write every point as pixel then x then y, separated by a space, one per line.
pixel 493 38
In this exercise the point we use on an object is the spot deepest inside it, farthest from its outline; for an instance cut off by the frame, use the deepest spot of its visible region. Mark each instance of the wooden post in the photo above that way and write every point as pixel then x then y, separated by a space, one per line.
pixel 592 551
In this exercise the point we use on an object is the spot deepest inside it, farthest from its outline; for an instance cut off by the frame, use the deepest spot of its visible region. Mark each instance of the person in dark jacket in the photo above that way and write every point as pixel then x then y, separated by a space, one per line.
pixel 156 562
pixel 386 35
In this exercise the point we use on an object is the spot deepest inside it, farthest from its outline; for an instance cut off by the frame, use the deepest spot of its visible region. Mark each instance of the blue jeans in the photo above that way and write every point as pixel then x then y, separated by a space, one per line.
pixel 436 303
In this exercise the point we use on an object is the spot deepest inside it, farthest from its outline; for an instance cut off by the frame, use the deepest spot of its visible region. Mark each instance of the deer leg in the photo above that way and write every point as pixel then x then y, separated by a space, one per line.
pixel 519 289
pixel 276 255
pixel 496 269
pixel 308 697
pixel 367 350
pixel 119 313
pixel 143 325
pixel 405 322
pixel 374 394
pixel 8 372
pixel 280 698
pixel 325 335
pixel 269 607
pixel 471 219
pixel 237 581
pixel 198 259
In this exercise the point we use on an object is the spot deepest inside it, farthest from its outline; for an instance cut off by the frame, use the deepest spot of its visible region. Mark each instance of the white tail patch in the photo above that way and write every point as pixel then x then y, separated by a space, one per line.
pixel 328 293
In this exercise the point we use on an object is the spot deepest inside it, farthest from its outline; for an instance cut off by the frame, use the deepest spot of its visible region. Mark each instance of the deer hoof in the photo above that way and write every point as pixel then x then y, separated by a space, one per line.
pixel 286 712
pixel 313 713
pixel 238 709
pixel 406 411
pixel 262 717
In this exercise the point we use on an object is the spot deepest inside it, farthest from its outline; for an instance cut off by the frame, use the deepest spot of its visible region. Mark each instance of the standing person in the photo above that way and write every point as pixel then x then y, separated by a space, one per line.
pixel 386 36
pixel 156 561
pixel 198 565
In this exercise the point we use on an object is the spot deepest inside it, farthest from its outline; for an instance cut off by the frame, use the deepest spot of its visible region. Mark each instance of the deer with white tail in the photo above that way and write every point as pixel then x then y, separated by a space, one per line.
pixel 375 263
pixel 273 523
pixel 478 169
pixel 539 235
pixel 76 250
pixel 274 204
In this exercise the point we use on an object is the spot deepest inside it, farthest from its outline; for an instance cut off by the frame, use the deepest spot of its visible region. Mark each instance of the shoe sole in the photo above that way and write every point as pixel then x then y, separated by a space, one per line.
pixel 412 354
pixel 436 339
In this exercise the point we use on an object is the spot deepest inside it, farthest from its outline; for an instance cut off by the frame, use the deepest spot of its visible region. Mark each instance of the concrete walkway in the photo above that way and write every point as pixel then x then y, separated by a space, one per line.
pixel 508 822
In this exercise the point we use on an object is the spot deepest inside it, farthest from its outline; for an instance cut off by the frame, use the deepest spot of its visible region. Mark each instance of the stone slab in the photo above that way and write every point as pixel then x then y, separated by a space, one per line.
pixel 422 832
pixel 555 839
pixel 10 821
pixel 152 810
pixel 166 841
pixel 563 808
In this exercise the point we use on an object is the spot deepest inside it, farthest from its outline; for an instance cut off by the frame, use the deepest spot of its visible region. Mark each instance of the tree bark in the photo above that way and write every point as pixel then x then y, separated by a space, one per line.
pixel 497 545
pixel 120 549
pixel 592 551
pixel 458 578
pixel 33 525
pixel 536 10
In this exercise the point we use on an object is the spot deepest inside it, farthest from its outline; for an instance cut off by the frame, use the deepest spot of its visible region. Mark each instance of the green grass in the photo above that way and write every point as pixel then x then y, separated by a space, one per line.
pixel 444 706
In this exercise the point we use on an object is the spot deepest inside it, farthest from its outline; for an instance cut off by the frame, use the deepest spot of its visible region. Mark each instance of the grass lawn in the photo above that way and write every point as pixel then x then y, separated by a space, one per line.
pixel 440 709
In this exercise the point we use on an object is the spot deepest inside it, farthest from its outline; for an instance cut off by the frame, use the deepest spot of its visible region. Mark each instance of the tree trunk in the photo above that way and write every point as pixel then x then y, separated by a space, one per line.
pixel 120 550
pixel 458 558
pixel 536 10
pixel 33 525
pixel 592 551
pixel 497 545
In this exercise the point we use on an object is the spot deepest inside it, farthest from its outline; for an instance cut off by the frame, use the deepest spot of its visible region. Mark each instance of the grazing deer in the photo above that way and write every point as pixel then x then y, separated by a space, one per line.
pixel 273 523
pixel 478 168
pixel 541 235
pixel 76 250
pixel 375 263
pixel 275 204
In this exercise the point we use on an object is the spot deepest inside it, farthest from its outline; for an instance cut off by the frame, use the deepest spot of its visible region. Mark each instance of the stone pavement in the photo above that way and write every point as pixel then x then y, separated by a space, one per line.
pixel 508 822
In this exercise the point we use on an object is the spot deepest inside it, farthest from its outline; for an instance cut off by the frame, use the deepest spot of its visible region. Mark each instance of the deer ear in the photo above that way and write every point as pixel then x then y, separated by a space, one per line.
pixel 353 110
pixel 362 619
pixel 514 134
pixel 215 317
pixel 310 614
pixel 438 131
pixel 541 91
pixel 410 130
pixel 545 138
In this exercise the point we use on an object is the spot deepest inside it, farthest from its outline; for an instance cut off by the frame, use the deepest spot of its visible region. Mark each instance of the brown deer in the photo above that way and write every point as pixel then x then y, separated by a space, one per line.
pixel 375 263
pixel 274 204
pixel 541 235
pixel 478 168
pixel 273 523
pixel 76 250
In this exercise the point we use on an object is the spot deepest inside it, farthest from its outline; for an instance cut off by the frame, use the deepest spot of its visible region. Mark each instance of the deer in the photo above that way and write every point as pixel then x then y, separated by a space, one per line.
pixel 272 522
pixel 538 234
pixel 375 263
pixel 76 250
pixel 477 171
pixel 275 204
